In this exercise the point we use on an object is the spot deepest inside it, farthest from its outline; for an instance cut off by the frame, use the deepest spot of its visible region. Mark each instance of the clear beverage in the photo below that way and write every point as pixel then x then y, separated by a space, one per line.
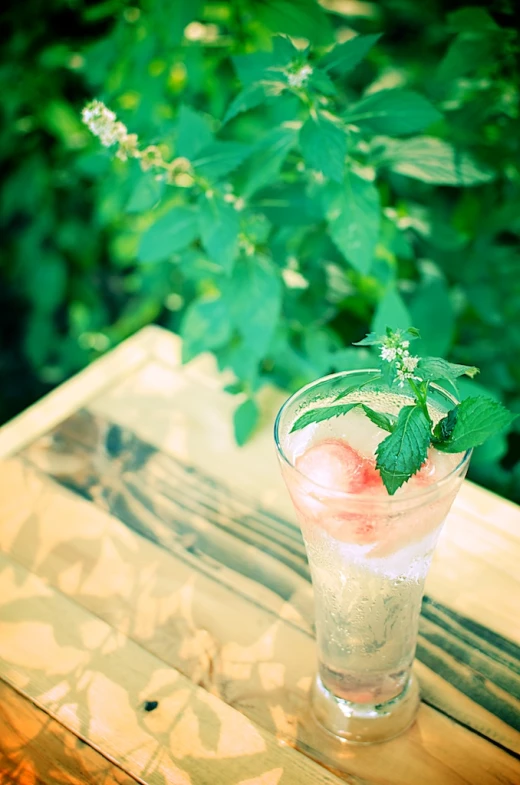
pixel 369 553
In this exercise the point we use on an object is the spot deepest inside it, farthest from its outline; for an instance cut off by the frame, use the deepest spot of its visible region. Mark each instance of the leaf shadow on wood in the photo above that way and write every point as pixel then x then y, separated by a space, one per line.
pixel 223 599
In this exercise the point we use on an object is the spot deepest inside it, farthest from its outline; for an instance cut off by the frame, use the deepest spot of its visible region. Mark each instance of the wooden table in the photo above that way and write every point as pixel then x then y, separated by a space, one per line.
pixel 156 610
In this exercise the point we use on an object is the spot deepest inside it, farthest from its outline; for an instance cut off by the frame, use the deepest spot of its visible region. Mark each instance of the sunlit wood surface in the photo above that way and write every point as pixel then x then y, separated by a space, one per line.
pixel 156 610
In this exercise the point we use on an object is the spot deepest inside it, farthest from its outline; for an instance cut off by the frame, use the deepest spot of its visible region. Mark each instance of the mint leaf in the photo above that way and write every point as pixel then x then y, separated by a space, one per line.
pixel 254 299
pixel 219 226
pixel 245 419
pixel 321 414
pixel 193 132
pixel 344 57
pixel 205 325
pixel 391 309
pixel 263 166
pixel 255 67
pixel 371 339
pixel 433 160
pixel 393 112
pixel 171 233
pixel 432 368
pixel 220 158
pixel 385 421
pixel 444 428
pixel 477 420
pixel 353 216
pixel 322 82
pixel 402 454
pixel 356 386
pixel 324 146
pixel 253 95
pixel 304 19
pixel 146 193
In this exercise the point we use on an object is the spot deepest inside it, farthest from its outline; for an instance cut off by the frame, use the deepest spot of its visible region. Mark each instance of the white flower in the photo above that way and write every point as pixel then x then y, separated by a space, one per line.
pixel 410 363
pixel 388 353
pixel 299 77
pixel 104 124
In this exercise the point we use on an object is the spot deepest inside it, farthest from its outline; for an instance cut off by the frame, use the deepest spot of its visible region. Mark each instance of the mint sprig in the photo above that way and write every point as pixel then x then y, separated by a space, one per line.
pixel 402 453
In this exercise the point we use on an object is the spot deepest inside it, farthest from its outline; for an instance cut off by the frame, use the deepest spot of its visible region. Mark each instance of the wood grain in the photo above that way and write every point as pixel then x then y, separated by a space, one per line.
pixel 37 750
pixel 238 640
pixel 166 501
pixel 153 721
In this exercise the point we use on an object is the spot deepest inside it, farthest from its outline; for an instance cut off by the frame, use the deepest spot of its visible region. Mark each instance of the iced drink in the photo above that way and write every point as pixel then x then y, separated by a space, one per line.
pixel 369 552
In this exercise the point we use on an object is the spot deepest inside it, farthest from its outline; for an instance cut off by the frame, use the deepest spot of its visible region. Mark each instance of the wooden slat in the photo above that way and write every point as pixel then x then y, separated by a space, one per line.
pixel 231 638
pixel 144 715
pixel 168 501
pixel 37 750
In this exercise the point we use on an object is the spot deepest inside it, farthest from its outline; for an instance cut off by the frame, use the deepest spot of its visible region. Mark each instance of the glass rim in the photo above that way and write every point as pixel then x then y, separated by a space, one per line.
pixel 360 497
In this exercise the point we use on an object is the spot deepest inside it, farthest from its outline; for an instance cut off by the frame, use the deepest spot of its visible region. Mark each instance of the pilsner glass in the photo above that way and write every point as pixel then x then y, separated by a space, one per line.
pixel 369 554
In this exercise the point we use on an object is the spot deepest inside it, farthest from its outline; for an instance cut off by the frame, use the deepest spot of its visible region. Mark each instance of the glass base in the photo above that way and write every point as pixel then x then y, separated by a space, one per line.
pixel 365 723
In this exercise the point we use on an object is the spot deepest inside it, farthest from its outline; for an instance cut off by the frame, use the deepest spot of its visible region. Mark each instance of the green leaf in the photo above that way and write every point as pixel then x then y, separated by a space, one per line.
pixel 433 368
pixel 301 18
pixel 444 427
pixel 371 339
pixel 219 225
pixel 356 386
pixel 245 419
pixel 321 82
pixel 431 298
pixel 324 146
pixel 193 131
pixel 391 310
pixel 402 454
pixel 254 297
pixel 220 158
pixel 255 67
pixel 205 325
pixel 321 414
pixel 146 193
pixel 264 164
pixel 385 421
pixel 344 57
pixel 286 204
pixel 477 420
pixel 354 216
pixel 434 161
pixel 256 228
pixel 171 233
pixel 171 19
pixel 253 95
pixel 393 112
pixel 473 19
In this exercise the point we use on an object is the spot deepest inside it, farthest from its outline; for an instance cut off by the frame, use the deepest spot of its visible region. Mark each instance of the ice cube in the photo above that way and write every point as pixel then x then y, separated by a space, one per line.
pixel 332 464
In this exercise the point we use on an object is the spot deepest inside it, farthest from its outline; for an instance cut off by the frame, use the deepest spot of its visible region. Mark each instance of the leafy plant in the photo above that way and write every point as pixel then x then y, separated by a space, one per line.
pixel 320 188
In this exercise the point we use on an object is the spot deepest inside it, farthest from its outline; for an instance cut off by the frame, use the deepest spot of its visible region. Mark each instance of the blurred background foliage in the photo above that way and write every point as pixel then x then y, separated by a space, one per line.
pixel 264 249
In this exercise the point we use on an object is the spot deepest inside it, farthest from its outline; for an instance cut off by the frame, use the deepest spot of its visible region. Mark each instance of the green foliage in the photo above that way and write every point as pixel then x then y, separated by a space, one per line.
pixel 320 189
pixel 475 421
pixel 402 454
pixel 245 419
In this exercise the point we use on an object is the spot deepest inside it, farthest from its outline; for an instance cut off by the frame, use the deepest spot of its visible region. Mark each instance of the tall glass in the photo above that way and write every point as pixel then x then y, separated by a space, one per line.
pixel 369 554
